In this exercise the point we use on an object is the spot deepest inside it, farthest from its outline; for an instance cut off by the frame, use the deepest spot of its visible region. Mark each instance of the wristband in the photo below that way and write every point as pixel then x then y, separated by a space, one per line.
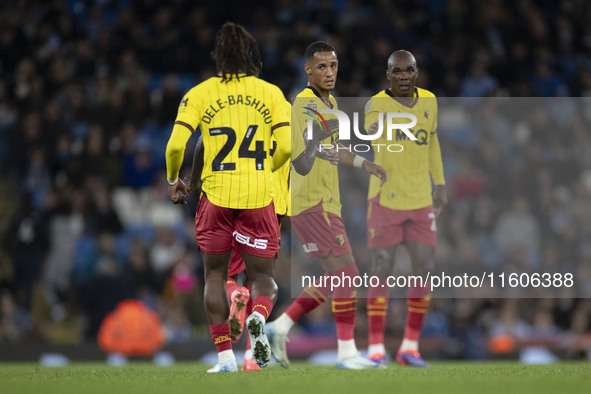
pixel 358 161
pixel 171 183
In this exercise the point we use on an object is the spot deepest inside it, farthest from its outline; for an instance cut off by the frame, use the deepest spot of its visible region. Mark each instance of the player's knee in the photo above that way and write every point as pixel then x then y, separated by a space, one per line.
pixel 381 263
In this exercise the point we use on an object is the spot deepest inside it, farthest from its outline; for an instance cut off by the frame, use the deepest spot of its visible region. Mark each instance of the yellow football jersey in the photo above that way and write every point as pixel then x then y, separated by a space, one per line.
pixel 321 184
pixel 409 171
pixel 237 119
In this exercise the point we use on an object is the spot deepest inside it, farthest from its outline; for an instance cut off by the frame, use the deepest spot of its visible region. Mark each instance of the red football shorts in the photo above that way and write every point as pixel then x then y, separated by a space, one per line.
pixel 321 232
pixel 237 262
pixel 388 227
pixel 255 231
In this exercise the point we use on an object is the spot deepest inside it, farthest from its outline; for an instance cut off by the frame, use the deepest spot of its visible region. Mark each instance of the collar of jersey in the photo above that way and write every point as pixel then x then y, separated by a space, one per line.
pixel 412 103
pixel 329 104
pixel 240 75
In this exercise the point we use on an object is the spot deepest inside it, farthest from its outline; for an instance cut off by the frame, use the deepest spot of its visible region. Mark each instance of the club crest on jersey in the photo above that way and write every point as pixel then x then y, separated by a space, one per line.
pixel 426 114
pixel 340 239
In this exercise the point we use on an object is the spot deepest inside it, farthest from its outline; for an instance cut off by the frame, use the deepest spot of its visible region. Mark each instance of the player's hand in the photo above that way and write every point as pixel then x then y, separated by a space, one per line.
pixel 439 199
pixel 320 132
pixel 178 192
pixel 331 155
pixel 377 170
pixel 333 127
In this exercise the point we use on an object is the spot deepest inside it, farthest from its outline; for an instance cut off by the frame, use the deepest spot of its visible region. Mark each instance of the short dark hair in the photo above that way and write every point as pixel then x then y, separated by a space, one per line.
pixel 236 51
pixel 318 46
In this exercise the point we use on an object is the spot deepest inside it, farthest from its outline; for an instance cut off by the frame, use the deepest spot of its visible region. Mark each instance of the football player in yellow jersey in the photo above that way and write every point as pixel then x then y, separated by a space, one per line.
pixel 239 296
pixel 316 210
pixel 237 114
pixel 403 211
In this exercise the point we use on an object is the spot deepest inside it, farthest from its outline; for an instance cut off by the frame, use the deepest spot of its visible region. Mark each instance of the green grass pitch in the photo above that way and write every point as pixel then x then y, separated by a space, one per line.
pixel 185 378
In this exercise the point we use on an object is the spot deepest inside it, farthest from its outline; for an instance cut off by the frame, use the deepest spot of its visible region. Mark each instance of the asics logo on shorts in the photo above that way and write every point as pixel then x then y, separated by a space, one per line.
pixel 244 240
pixel 310 247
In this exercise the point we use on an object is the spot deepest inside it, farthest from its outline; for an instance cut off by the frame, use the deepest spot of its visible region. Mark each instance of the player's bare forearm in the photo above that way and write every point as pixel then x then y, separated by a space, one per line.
pixel 305 161
pixel 348 158
pixel 197 167
pixel 439 199
pixel 303 164
pixel 345 157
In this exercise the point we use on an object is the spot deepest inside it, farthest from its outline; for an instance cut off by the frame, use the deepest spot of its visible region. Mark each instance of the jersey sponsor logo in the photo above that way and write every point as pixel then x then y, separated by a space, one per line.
pixel 421 136
pixel 245 240
pixel 310 247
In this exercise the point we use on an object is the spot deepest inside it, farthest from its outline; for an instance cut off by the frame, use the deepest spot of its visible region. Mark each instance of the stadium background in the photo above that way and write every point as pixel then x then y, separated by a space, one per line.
pixel 88 94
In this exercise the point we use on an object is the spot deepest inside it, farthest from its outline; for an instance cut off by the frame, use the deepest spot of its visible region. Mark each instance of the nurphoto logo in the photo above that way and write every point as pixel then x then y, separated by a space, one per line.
pixel 394 130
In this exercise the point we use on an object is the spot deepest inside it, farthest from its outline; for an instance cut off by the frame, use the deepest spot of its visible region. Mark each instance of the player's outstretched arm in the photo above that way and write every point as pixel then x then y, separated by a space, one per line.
pixel 351 159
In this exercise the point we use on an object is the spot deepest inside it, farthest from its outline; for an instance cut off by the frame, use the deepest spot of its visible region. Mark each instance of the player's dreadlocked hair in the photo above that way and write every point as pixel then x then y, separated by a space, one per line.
pixel 236 51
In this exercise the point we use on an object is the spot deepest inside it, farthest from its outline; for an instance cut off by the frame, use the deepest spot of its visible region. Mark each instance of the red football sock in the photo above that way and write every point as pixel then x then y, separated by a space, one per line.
pixel 263 305
pixel 377 309
pixel 221 336
pixel 308 300
pixel 231 285
pixel 417 299
pixel 344 303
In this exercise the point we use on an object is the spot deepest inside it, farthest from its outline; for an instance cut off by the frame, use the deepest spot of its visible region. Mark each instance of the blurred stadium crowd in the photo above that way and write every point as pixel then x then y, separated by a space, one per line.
pixel 89 91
